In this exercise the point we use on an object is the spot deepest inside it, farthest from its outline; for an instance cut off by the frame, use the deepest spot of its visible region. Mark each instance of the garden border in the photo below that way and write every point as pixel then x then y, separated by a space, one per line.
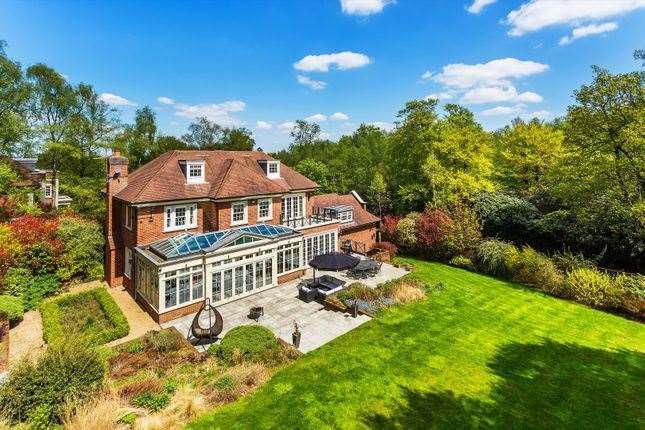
pixel 53 329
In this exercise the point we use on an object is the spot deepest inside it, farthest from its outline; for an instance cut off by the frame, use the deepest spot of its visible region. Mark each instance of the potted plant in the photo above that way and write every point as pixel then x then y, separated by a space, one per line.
pixel 295 336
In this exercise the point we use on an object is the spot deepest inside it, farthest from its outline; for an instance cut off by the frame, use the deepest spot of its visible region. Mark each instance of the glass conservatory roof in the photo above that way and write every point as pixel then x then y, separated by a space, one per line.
pixel 186 244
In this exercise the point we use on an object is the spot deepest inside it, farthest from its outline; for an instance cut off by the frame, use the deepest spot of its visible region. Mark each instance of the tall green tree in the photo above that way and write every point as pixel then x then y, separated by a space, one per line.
pixel 14 96
pixel 526 152
pixel 378 193
pixel 305 133
pixel 318 172
pixel 206 134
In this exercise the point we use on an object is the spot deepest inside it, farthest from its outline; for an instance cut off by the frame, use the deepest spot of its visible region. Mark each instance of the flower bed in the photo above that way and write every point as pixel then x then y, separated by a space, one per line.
pixel 92 315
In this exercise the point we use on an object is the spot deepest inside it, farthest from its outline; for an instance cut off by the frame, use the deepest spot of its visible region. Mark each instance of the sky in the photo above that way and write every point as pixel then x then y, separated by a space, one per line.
pixel 264 64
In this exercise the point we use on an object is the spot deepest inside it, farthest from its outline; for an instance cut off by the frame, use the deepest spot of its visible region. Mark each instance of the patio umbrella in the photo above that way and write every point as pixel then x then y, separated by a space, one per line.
pixel 333 261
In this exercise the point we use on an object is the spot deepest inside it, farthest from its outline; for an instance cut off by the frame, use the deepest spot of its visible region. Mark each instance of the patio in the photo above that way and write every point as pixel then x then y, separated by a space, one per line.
pixel 282 306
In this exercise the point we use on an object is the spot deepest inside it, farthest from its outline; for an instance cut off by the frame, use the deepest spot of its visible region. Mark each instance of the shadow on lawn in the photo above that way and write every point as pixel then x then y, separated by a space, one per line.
pixel 549 385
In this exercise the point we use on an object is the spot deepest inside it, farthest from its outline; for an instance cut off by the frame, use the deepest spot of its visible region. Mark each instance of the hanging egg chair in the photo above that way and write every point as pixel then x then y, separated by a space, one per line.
pixel 207 323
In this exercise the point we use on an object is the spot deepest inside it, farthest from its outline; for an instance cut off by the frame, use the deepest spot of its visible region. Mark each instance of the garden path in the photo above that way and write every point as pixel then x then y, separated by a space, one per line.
pixel 26 338
pixel 140 322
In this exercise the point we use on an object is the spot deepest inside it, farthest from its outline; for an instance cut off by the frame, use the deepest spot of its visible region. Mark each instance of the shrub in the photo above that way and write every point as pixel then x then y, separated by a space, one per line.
pixel 388 226
pixel 30 230
pixel 530 267
pixel 10 249
pixel 358 291
pixel 39 258
pixel 505 217
pixel 567 261
pixel 462 262
pixel 490 257
pixel 251 343
pixel 163 341
pixel 64 372
pixel 225 383
pixel 632 288
pixel 405 233
pixel 592 287
pixel 7 177
pixel 387 246
pixel 463 233
pixel 83 245
pixel 11 308
pixel 31 289
pixel 406 291
pixel 432 226
pixel 153 401
pixel 54 330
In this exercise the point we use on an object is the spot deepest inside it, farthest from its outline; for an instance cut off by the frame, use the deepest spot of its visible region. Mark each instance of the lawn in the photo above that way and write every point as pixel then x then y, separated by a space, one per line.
pixel 480 353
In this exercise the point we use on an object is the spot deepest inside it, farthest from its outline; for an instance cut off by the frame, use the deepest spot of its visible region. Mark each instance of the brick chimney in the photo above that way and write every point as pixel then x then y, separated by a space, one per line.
pixel 117 172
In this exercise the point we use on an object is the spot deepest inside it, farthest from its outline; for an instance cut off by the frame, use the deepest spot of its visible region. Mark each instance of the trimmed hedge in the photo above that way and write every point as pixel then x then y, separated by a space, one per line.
pixel 11 308
pixel 54 331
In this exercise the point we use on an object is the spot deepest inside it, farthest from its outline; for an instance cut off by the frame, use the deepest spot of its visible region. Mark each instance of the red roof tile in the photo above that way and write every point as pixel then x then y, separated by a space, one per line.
pixel 228 174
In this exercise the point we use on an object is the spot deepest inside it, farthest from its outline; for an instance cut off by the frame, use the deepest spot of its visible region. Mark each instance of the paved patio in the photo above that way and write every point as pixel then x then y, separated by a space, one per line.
pixel 282 306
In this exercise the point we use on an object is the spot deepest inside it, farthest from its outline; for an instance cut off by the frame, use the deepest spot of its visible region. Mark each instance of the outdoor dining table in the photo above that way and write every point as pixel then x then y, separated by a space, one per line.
pixel 365 266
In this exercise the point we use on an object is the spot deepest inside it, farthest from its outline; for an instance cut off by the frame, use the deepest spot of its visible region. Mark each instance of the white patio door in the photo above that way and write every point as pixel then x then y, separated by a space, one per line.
pixel 241 280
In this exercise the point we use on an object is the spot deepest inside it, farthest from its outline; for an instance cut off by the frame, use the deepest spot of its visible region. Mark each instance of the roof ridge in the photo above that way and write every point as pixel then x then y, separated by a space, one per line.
pixel 163 164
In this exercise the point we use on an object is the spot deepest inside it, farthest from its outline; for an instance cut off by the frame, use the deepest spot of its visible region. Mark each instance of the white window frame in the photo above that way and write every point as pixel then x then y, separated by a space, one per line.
pixel 48 194
pixel 270 214
pixel 170 214
pixel 128 217
pixel 245 219
pixel 195 179
pixel 270 174
pixel 346 216
pixel 297 206
pixel 127 263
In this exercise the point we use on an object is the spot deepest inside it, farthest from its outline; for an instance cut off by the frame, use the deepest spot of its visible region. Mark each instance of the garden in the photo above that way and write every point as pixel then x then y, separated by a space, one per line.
pixel 478 352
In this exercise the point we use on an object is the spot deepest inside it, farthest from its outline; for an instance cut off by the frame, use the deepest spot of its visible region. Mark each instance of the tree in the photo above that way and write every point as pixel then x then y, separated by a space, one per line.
pixel 205 134
pixel 526 152
pixel 317 172
pixel 377 193
pixel 14 95
pixel 304 133
pixel 8 177
pixel 438 160
pixel 432 227
pixel 138 140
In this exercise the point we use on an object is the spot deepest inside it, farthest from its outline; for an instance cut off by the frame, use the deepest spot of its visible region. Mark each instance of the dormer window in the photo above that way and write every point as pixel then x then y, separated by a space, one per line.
pixel 271 168
pixel 195 172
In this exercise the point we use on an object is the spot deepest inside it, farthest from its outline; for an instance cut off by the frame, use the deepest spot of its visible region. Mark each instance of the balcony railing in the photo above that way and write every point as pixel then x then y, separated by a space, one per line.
pixel 316 218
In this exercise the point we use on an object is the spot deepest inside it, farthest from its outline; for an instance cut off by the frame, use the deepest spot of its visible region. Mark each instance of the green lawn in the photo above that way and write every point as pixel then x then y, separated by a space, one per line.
pixel 482 353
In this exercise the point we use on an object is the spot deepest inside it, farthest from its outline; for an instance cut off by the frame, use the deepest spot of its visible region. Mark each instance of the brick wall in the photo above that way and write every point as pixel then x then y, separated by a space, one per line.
pixel 150 224
pixel 365 234
pixel 290 276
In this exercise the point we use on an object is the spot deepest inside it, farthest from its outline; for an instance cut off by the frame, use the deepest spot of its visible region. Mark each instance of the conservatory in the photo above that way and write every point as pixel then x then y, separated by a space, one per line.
pixel 181 271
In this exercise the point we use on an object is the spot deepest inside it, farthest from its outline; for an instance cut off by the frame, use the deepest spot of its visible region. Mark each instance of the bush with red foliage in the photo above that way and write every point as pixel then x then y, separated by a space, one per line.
pixel 30 230
pixel 432 227
pixel 387 246
pixel 388 225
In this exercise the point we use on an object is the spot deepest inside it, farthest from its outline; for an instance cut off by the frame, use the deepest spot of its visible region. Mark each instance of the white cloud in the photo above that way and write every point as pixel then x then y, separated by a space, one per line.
pixel 386 126
pixel 540 114
pixel 537 14
pixel 319 117
pixel 341 60
pixel 479 5
pixel 426 75
pixel 588 30
pixel 496 72
pixel 286 126
pixel 363 7
pixel 165 100
pixel 114 100
pixel 263 125
pixel 216 112
pixel 339 116
pixel 311 83
pixel 499 94
pixel 503 110
pixel 444 95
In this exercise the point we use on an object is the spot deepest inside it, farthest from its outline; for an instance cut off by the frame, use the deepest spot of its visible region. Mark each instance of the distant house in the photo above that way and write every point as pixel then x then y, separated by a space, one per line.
pixel 221 225
pixel 45 188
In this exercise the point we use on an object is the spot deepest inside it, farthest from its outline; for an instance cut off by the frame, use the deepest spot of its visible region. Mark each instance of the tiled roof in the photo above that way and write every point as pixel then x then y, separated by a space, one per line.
pixel 361 216
pixel 228 174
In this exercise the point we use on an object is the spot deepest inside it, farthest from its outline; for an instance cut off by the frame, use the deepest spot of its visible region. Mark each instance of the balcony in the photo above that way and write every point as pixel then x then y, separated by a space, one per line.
pixel 315 219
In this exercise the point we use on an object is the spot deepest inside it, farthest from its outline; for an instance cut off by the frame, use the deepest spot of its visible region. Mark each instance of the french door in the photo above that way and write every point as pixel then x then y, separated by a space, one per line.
pixel 242 280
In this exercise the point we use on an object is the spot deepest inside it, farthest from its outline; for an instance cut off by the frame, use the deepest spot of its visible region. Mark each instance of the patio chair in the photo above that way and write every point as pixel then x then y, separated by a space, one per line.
pixel 215 322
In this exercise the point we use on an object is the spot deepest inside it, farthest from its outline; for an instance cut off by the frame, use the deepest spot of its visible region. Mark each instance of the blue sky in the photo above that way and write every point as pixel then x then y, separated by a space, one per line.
pixel 263 64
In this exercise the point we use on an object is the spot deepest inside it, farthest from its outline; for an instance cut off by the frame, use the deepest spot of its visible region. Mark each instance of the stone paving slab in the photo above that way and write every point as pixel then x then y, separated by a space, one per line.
pixel 282 307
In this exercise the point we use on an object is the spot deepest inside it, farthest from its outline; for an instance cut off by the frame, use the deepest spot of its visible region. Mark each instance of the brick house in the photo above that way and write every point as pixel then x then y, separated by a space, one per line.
pixel 42 182
pixel 222 225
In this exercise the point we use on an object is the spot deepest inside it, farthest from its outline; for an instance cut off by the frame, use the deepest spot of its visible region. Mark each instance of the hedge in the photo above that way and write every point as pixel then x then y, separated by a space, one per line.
pixel 11 308
pixel 54 332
